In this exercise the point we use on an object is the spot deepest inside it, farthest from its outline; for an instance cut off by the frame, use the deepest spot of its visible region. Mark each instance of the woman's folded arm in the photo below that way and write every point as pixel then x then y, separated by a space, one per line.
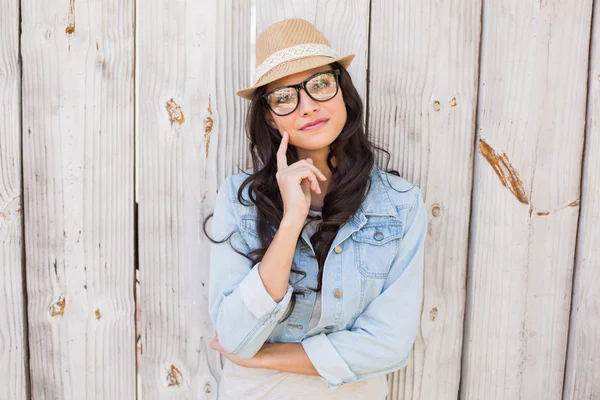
pixel 243 312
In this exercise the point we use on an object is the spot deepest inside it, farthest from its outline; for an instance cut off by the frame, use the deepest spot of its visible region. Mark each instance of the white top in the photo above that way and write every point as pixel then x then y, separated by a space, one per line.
pixel 311 229
pixel 239 382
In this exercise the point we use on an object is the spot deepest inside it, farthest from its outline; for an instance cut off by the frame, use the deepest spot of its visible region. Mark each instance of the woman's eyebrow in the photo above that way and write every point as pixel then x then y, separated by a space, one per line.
pixel 288 84
pixel 292 84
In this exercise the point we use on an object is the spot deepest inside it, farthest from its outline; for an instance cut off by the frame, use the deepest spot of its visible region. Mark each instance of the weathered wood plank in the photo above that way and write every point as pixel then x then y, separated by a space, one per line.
pixel 582 377
pixel 13 330
pixel 423 95
pixel 190 137
pixel 531 117
pixel 78 197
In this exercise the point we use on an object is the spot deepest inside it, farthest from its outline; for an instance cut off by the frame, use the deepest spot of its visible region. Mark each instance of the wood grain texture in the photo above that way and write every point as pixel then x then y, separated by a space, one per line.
pixel 423 95
pixel 582 375
pixel 530 131
pixel 490 107
pixel 78 197
pixel 14 379
pixel 189 138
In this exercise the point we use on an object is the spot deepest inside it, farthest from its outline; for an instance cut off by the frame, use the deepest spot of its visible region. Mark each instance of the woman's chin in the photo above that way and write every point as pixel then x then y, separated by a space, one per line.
pixel 315 142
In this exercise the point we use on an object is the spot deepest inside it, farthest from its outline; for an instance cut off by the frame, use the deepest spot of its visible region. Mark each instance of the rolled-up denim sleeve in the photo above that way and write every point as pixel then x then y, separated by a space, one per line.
pixel 382 337
pixel 242 311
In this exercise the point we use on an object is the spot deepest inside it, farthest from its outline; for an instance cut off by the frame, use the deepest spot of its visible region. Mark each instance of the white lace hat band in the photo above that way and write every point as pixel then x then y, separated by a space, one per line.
pixel 288 47
pixel 293 53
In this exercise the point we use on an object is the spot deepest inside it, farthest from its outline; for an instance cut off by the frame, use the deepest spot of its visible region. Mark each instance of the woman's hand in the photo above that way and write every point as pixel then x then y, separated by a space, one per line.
pixel 254 362
pixel 295 182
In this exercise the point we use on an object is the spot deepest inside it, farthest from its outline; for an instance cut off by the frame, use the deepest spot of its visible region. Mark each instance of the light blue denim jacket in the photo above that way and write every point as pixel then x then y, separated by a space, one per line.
pixel 372 284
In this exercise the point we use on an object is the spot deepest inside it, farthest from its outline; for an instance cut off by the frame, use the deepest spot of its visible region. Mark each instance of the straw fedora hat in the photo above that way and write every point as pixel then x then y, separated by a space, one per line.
pixel 287 47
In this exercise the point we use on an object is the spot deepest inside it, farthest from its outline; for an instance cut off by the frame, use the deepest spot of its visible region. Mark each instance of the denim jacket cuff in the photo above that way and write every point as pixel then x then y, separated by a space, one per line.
pixel 327 361
pixel 257 299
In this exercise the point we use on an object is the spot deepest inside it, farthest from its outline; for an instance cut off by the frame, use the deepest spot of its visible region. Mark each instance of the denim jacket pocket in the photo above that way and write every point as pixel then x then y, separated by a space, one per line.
pixel 249 232
pixel 249 225
pixel 375 245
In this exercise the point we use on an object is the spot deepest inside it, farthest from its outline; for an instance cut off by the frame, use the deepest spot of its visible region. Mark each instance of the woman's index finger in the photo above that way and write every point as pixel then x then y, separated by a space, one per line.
pixel 281 158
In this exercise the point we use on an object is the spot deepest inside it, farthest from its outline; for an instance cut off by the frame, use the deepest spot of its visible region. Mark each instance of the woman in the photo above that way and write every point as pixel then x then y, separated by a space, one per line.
pixel 317 292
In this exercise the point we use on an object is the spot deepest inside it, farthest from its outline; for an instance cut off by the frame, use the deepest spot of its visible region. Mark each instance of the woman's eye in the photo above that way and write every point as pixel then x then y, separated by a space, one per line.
pixel 283 98
pixel 320 83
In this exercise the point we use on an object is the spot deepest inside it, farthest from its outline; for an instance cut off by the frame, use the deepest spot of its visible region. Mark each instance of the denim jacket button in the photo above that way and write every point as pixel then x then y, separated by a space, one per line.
pixel 378 235
pixel 337 293
pixel 337 249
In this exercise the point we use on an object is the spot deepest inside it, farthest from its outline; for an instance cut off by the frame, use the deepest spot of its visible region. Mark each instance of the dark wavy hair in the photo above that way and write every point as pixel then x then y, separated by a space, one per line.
pixel 354 159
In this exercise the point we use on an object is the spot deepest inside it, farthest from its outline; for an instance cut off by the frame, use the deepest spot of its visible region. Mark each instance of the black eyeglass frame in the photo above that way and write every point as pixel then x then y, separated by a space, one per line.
pixel 336 73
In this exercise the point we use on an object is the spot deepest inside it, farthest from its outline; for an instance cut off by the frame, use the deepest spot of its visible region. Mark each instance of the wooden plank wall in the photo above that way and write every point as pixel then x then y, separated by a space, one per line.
pixel 14 368
pixel 120 121
pixel 77 157
pixel 526 197
pixel 189 138
pixel 582 377
pixel 422 104
pixel 175 77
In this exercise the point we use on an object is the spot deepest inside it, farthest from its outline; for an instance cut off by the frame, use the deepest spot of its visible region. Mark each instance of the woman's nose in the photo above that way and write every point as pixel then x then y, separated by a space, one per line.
pixel 306 103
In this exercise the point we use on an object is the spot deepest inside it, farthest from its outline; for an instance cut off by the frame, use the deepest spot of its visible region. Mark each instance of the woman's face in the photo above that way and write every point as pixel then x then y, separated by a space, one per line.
pixel 334 110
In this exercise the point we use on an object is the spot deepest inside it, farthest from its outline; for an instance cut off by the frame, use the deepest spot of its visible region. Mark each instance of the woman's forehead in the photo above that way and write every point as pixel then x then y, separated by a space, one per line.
pixel 296 78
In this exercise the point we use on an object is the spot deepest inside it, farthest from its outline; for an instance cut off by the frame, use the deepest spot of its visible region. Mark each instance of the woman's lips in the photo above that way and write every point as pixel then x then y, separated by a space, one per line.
pixel 317 126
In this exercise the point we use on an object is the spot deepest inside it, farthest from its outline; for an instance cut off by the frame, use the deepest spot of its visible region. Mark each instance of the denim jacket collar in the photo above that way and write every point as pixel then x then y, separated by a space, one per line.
pixel 376 203
pixel 378 200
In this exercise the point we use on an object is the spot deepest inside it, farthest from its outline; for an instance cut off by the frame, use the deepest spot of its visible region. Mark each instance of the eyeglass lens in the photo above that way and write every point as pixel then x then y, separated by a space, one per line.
pixel 321 88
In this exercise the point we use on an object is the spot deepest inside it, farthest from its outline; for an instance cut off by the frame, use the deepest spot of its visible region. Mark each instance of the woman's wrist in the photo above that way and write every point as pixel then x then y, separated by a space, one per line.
pixel 292 221
pixel 262 356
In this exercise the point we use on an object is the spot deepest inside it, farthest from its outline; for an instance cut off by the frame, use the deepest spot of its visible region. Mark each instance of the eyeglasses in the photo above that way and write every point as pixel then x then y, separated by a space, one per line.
pixel 321 87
